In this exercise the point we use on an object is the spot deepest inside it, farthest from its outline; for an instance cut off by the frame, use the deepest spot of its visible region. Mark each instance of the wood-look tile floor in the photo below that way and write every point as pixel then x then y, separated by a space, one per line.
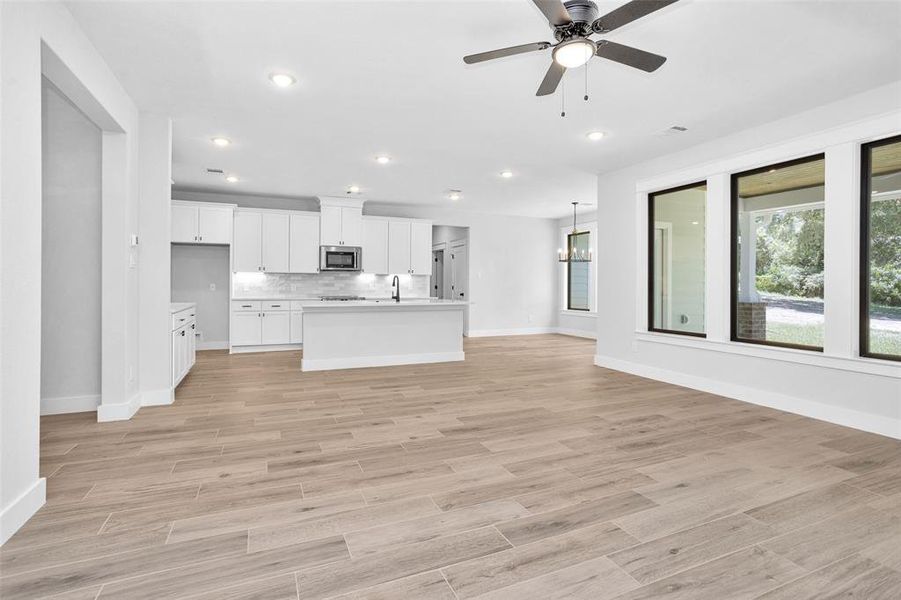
pixel 523 473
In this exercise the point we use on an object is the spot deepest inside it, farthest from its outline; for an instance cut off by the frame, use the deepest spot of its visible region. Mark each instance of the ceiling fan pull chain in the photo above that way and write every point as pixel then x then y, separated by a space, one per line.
pixel 563 98
pixel 586 82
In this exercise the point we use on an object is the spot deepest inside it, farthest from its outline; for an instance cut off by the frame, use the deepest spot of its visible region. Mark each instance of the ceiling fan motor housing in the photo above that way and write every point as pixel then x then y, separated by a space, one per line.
pixel 582 11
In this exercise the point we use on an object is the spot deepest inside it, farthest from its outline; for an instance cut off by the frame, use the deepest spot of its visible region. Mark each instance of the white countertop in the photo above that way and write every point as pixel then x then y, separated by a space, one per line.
pixel 385 304
pixel 175 307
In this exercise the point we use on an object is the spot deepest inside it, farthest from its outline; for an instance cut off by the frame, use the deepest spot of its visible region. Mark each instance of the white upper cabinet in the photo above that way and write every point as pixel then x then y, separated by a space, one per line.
pixel 341 222
pixel 375 246
pixel 420 248
pixel 247 251
pixel 303 243
pixel 201 223
pixel 275 242
pixel 330 225
pixel 398 246
pixel 184 224
pixel 214 225
pixel 351 226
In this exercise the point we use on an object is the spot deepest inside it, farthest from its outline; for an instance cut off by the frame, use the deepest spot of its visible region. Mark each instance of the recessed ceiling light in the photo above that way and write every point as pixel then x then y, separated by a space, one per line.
pixel 282 80
pixel 507 174
pixel 232 179
pixel 222 142
pixel 595 135
pixel 455 195
pixel 771 171
pixel 383 159
pixel 353 189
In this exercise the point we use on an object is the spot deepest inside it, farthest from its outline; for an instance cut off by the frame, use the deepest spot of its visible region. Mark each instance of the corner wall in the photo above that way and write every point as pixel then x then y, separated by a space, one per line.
pixel 26 30
pixel 835 385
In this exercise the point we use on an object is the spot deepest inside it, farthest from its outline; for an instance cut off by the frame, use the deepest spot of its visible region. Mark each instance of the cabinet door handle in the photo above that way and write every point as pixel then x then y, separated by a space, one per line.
pixel 201 238
pixel 276 306
pixel 246 305
pixel 264 314
pixel 192 326
pixel 183 333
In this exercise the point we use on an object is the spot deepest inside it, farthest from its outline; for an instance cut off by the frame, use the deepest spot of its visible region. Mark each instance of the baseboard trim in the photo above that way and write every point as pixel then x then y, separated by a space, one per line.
pixel 326 364
pixel 591 335
pixel 161 397
pixel 272 348
pixel 516 331
pixel 119 412
pixel 21 509
pixel 212 345
pixel 69 404
pixel 816 410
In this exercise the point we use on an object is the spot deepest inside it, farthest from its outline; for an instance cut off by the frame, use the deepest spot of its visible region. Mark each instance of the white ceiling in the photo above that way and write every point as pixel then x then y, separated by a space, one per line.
pixel 388 77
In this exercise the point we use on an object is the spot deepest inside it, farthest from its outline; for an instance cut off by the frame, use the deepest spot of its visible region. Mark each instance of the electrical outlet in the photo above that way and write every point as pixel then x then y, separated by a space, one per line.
pixel 212 287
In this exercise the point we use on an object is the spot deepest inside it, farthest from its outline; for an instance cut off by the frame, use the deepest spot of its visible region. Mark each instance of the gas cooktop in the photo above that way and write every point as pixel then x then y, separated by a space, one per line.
pixel 340 298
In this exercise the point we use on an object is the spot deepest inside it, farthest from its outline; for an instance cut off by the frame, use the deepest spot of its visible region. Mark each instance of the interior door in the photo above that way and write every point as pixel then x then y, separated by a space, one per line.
pixel 275 243
pixel 437 280
pixel 214 225
pixel 247 249
pixel 303 241
pixel 460 257
pixel 184 224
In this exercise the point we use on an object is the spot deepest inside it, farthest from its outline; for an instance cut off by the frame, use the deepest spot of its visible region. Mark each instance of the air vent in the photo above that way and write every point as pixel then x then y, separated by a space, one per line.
pixel 674 130
pixel 215 171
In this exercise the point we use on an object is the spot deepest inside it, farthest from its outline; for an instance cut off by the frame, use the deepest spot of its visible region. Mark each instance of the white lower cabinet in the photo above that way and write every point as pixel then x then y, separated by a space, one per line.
pixel 264 323
pixel 184 345
pixel 297 327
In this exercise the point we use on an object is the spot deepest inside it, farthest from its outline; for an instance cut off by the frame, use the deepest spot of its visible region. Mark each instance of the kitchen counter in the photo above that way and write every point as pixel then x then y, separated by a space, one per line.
pixel 370 333
pixel 175 307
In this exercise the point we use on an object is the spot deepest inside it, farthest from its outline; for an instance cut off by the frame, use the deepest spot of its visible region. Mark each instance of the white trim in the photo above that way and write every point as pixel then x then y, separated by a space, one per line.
pixel 356 362
pixel 870 366
pixel 69 404
pixel 266 348
pixel 824 412
pixel 579 313
pixel 591 335
pixel 163 397
pixel 518 331
pixel 118 412
pixel 21 509
pixel 212 345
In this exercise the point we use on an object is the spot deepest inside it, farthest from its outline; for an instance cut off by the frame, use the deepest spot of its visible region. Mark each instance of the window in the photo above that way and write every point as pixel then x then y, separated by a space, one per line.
pixel 880 252
pixel 676 260
pixel 777 254
pixel 578 274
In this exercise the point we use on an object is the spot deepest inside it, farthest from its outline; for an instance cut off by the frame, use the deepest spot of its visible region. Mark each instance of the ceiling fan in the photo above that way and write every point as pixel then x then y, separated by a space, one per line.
pixel 574 22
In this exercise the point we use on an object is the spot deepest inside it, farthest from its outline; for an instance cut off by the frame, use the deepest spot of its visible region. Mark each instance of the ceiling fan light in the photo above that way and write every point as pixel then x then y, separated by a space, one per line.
pixel 574 53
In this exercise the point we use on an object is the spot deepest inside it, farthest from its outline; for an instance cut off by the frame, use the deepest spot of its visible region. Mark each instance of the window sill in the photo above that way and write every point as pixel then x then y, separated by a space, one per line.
pixel 870 366
pixel 578 313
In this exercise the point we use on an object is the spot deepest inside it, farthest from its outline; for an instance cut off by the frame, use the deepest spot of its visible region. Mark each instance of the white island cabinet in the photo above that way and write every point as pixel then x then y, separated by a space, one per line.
pixel 183 346
pixel 347 335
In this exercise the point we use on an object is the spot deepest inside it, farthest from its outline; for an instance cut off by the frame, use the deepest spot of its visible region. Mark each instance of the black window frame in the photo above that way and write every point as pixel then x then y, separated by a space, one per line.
pixel 569 267
pixel 733 251
pixel 650 269
pixel 865 202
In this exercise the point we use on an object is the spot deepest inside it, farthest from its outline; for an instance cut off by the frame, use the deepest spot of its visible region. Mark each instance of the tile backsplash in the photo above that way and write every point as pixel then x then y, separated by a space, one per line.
pixel 296 285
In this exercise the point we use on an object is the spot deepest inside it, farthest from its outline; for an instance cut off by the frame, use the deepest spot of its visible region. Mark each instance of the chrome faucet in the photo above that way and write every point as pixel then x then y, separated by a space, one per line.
pixel 395 289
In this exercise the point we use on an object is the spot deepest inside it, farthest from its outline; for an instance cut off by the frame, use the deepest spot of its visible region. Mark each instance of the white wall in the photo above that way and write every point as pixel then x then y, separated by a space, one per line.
pixel 834 385
pixel 70 257
pixel 30 32
pixel 194 269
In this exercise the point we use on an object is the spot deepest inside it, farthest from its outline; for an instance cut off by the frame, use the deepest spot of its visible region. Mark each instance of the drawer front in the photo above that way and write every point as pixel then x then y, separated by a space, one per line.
pixel 247 306
pixel 297 304
pixel 271 305
pixel 182 318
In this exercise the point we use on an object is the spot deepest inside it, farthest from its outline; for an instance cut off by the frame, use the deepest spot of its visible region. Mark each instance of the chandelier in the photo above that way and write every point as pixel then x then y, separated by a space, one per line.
pixel 572 254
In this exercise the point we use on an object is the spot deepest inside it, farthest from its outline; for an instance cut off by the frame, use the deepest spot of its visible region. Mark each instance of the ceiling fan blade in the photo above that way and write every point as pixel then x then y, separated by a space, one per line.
pixel 554 11
pixel 629 56
pixel 551 79
pixel 502 52
pixel 627 13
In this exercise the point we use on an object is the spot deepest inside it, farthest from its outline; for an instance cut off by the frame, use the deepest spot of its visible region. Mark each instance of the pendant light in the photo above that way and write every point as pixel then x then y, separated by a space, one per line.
pixel 573 254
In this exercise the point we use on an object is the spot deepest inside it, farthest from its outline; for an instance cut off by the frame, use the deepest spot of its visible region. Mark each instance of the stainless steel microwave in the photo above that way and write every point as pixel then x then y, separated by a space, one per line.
pixel 340 258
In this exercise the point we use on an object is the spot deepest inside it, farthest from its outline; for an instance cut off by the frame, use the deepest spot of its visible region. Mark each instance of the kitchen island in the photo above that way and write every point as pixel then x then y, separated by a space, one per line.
pixel 347 335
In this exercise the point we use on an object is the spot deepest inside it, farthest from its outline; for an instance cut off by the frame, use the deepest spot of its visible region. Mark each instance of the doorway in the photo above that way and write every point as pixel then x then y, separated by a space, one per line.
pixel 450 266
pixel 436 282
